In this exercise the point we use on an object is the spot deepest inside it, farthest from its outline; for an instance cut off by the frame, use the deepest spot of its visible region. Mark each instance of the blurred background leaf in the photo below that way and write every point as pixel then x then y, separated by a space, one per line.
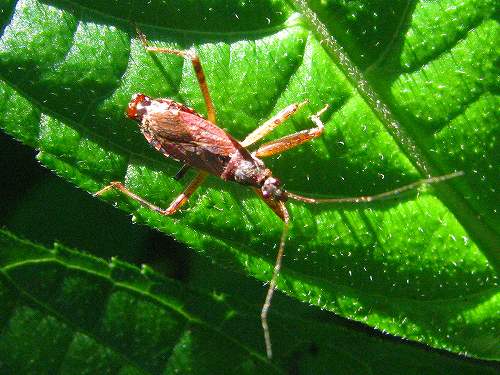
pixel 410 100
pixel 61 309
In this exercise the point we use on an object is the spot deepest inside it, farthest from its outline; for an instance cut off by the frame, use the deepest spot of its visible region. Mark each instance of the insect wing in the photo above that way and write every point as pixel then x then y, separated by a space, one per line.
pixel 189 138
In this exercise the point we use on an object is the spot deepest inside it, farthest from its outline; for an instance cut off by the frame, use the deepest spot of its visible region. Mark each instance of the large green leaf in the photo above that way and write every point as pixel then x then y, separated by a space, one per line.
pixel 412 90
pixel 64 310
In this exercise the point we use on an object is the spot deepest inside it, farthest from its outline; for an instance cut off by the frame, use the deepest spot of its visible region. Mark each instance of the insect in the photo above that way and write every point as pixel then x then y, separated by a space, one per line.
pixel 179 132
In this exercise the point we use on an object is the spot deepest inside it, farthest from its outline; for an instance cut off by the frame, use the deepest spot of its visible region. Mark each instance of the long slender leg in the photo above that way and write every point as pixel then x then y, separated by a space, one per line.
pixel 272 123
pixel 176 204
pixel 376 197
pixel 198 69
pixel 293 140
pixel 274 279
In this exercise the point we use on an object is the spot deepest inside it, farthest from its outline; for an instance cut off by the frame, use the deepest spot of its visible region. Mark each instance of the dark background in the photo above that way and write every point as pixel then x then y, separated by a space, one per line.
pixel 39 206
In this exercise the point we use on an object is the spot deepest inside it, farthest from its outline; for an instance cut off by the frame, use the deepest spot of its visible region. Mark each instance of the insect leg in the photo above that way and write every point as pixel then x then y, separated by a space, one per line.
pixel 198 69
pixel 293 140
pixel 119 186
pixel 271 124
pixel 183 197
pixel 274 279
pixel 176 204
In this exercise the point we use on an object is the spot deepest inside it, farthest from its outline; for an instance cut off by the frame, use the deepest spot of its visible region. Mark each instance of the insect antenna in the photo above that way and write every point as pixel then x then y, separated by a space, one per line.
pixel 370 198
pixel 274 279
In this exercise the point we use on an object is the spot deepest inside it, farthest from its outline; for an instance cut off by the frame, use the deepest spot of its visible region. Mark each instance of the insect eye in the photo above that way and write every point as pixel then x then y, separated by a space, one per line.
pixel 271 188
pixel 138 100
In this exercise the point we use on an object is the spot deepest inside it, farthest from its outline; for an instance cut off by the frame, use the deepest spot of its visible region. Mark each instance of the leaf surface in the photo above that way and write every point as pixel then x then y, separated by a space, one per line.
pixel 412 90
pixel 62 309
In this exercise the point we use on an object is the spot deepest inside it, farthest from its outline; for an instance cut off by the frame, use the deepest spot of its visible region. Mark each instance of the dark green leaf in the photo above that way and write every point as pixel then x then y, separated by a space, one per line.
pixel 60 309
pixel 415 94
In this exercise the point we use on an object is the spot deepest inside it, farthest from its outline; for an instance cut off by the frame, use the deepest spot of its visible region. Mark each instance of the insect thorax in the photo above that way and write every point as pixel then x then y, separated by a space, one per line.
pixel 246 170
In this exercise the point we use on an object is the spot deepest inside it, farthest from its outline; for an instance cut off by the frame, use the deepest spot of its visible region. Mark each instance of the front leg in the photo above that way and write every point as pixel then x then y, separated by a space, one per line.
pixel 198 69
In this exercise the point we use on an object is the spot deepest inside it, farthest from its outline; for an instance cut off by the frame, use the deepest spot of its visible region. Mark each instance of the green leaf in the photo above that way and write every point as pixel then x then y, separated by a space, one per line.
pixel 61 309
pixel 412 92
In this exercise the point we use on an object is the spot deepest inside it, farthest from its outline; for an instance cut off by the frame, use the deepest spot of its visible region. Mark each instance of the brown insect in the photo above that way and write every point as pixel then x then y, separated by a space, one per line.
pixel 179 132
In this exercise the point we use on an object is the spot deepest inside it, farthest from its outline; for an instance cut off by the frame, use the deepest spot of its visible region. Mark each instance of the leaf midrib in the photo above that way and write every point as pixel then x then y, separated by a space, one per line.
pixel 480 231
pixel 121 285
pixel 119 147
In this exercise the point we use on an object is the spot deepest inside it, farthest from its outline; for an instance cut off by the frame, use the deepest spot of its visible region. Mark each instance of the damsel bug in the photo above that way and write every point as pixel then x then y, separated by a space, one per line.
pixel 177 131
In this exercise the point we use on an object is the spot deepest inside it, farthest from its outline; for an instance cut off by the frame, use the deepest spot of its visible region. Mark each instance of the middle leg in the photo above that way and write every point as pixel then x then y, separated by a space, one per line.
pixel 293 140
pixel 272 123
